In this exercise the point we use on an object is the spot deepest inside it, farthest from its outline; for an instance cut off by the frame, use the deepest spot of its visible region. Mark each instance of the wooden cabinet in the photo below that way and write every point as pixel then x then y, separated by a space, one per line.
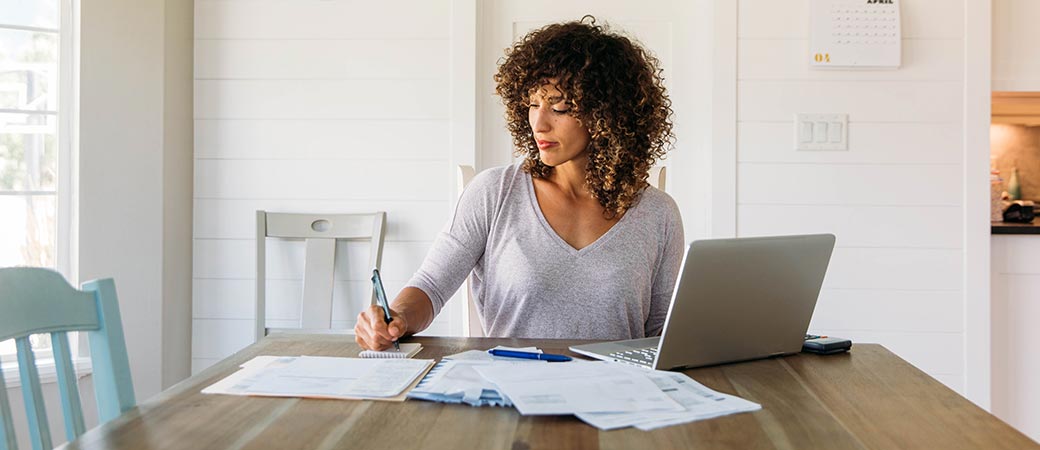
pixel 1016 108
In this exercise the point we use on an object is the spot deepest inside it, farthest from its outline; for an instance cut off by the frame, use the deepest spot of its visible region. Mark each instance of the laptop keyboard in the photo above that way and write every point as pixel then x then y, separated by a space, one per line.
pixel 640 356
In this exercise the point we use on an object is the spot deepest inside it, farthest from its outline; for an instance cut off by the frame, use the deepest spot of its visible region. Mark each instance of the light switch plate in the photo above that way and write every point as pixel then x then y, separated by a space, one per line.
pixel 821 132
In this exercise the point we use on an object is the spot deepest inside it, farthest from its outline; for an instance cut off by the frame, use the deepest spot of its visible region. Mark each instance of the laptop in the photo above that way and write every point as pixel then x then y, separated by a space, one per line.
pixel 735 300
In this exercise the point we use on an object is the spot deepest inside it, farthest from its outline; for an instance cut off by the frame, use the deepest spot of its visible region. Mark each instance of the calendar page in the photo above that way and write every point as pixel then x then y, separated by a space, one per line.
pixel 855 33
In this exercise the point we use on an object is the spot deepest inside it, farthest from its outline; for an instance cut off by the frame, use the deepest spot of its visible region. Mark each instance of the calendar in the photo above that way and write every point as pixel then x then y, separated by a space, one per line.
pixel 854 33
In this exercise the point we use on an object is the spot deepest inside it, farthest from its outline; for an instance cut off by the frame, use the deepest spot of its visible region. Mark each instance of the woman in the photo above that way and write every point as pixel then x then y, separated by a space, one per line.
pixel 571 243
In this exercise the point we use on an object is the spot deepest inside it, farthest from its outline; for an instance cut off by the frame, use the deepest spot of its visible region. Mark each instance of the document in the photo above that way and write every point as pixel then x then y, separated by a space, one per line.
pixel 453 380
pixel 485 356
pixel 698 401
pixel 577 387
pixel 323 377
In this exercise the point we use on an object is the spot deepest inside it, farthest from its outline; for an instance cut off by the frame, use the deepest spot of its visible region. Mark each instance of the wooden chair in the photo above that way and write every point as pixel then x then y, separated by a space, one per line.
pixel 471 319
pixel 320 232
pixel 35 301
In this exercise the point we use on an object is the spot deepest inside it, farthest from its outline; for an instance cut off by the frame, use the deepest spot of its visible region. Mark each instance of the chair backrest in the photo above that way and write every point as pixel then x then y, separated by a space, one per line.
pixel 36 301
pixel 471 320
pixel 657 177
pixel 320 232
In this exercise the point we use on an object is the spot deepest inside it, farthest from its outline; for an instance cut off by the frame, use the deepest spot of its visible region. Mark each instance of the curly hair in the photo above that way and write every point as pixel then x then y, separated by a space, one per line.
pixel 615 90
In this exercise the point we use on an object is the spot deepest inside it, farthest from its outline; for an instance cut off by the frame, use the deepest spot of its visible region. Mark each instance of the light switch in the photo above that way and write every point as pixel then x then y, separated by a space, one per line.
pixel 821 131
pixel 805 132
pixel 834 132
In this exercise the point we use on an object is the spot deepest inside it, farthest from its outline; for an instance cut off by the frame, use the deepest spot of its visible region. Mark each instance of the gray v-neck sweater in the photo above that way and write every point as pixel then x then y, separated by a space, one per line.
pixel 528 282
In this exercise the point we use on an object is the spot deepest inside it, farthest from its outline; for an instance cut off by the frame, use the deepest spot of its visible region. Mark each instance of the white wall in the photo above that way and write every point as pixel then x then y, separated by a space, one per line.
pixel 894 199
pixel 52 400
pixel 1016 307
pixel 315 106
pixel 280 124
pixel 1016 55
pixel 178 148
pixel 132 189
pixel 128 184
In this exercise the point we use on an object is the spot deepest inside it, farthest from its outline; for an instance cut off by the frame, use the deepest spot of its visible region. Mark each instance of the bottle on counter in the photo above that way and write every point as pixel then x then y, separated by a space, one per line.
pixel 1014 188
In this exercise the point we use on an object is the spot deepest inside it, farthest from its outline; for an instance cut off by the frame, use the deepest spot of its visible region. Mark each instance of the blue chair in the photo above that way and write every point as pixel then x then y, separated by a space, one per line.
pixel 36 301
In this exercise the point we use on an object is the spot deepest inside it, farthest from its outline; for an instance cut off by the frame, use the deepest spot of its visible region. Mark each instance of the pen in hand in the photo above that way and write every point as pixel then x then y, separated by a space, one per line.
pixel 377 285
pixel 389 319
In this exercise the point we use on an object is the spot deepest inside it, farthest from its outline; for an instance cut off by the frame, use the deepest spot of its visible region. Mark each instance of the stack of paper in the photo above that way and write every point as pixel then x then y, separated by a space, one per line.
pixel 604 395
pixel 323 377
pixel 609 395
pixel 454 379
pixel 578 387
pixel 698 401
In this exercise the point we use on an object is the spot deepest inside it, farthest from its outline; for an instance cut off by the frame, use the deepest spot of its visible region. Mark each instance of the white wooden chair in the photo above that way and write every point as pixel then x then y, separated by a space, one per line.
pixel 320 232
pixel 657 177
pixel 471 319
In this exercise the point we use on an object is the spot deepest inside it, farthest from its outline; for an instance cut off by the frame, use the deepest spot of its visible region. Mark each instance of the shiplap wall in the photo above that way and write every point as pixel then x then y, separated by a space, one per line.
pixel 341 106
pixel 894 199
pixel 314 106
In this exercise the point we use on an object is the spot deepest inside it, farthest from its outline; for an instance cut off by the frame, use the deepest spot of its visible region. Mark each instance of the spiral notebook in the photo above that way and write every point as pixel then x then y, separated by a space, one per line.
pixel 407 351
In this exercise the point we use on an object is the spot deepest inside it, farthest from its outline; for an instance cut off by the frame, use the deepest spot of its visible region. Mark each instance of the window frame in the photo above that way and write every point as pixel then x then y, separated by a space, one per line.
pixel 64 197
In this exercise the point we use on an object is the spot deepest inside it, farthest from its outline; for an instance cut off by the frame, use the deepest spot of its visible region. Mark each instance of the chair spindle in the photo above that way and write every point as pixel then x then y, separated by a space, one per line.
pixel 35 412
pixel 67 386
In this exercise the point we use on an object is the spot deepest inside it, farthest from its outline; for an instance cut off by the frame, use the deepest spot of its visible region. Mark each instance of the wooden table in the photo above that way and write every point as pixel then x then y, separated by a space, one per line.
pixel 866 399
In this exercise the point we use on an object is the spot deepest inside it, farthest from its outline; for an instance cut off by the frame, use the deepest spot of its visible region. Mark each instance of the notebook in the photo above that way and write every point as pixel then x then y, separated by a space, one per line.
pixel 407 351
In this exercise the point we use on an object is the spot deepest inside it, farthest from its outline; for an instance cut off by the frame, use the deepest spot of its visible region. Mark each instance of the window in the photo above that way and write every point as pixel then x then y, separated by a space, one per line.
pixel 35 143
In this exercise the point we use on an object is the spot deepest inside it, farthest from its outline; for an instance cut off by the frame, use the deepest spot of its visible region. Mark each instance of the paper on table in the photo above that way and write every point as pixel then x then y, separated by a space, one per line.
pixel 263 361
pixel 324 377
pixel 483 355
pixel 699 401
pixel 477 355
pixel 726 404
pixel 518 349
pixel 574 387
pixel 248 369
pixel 457 378
pixel 739 406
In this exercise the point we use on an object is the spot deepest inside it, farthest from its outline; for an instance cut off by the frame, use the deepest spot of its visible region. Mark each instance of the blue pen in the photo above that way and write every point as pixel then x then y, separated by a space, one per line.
pixel 377 284
pixel 530 355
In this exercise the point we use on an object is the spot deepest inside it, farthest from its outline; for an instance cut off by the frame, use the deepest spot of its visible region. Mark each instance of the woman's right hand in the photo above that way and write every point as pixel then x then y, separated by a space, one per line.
pixel 373 333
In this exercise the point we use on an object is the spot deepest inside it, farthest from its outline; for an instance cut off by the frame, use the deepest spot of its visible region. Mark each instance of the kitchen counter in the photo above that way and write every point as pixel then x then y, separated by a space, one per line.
pixel 1016 228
